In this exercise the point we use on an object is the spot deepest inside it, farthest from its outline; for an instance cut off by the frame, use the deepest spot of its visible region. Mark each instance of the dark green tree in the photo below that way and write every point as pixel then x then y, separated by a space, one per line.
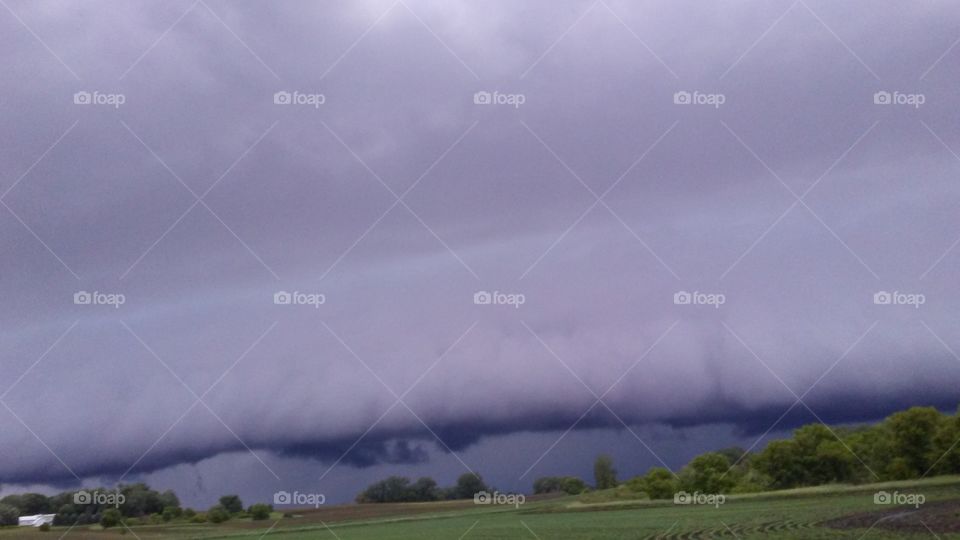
pixel 604 475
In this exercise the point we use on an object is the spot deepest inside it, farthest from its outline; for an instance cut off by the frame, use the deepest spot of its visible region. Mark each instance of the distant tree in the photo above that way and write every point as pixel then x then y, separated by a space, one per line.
pixel 169 499
pixel 217 514
pixel 111 517
pixel 232 503
pixel 707 473
pixel 660 483
pixel 559 484
pixel 29 503
pixel 424 489
pixel 945 453
pixel 780 461
pixel 604 475
pixel 912 435
pixel 8 514
pixel 469 484
pixel 392 489
pixel 170 512
pixel 260 511
pixel 189 513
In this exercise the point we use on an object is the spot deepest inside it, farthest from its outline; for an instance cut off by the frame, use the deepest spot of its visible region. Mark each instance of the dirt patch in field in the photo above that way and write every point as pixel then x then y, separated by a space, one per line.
pixel 938 517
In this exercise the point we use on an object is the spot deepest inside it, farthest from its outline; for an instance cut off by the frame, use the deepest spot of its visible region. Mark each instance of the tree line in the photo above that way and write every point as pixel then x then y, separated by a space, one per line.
pixel 127 503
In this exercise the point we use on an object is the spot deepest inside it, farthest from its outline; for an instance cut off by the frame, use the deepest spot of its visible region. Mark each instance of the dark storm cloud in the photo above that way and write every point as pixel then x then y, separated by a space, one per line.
pixel 303 198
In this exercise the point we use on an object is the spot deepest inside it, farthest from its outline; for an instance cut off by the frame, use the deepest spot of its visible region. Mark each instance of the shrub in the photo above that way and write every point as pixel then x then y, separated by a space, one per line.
pixel 260 511
pixel 111 518
pixel 45 527
pixel 217 514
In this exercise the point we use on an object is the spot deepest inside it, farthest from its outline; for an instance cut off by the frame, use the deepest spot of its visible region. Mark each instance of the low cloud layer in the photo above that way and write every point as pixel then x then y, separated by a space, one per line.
pixel 787 164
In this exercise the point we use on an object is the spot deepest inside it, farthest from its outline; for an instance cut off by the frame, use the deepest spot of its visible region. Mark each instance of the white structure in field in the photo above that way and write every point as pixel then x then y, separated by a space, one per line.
pixel 36 520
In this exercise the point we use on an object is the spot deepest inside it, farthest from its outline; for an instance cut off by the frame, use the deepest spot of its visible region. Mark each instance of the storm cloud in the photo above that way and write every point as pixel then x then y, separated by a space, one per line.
pixel 787 164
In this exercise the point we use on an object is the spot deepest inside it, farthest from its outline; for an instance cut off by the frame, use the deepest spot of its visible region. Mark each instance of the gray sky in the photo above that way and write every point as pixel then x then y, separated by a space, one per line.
pixel 784 186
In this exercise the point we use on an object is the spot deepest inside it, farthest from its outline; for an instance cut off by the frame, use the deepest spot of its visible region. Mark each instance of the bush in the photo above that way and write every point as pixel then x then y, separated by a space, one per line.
pixel 659 483
pixel 198 518
pixel 260 511
pixel 189 513
pixel 111 518
pixel 44 527
pixel 217 514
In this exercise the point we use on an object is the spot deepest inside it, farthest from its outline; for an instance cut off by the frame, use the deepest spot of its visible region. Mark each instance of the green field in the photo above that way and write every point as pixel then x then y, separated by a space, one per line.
pixel 822 512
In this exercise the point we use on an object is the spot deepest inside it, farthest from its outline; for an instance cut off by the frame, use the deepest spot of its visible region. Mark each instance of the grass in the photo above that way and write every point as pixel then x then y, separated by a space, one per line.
pixel 607 515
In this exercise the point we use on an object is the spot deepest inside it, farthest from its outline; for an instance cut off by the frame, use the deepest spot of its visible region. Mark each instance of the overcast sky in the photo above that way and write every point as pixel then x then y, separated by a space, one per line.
pixel 590 162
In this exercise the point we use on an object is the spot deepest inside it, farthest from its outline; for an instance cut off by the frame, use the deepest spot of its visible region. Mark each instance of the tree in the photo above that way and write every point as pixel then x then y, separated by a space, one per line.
pixel 707 473
pixel 169 498
pixel 604 475
pixel 217 514
pixel 945 455
pixel 468 485
pixel 559 484
pixel 111 518
pixel 169 513
pixel 424 489
pixel 780 461
pixel 260 511
pixel 392 489
pixel 660 483
pixel 912 434
pixel 9 515
pixel 232 503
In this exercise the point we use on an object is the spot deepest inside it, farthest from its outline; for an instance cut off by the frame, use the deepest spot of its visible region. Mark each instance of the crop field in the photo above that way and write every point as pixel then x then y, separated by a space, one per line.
pixel 814 513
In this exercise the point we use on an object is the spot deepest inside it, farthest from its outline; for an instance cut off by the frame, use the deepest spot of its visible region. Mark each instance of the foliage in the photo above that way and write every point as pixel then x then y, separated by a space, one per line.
pixel 570 485
pixel 232 503
pixel 260 511
pixel 659 483
pixel 8 514
pixel 217 514
pixel 111 518
pixel 604 475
